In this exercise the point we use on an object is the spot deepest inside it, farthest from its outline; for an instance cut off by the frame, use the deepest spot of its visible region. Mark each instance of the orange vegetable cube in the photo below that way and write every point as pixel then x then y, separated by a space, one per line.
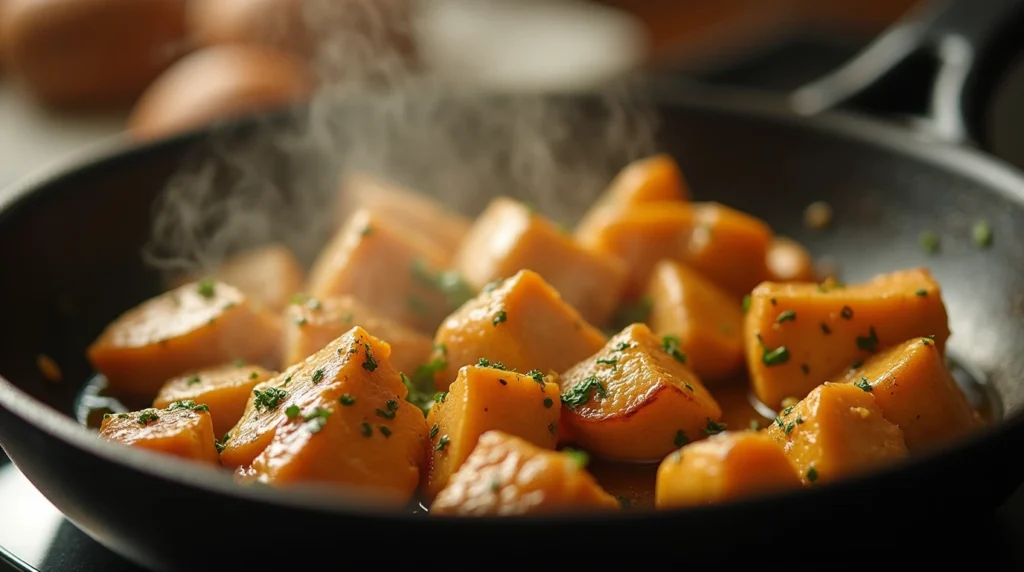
pixel 724 467
pixel 522 323
pixel 485 398
pixel 915 390
pixel 508 237
pixel 707 322
pixel 225 389
pixel 836 431
pixel 195 326
pixel 635 399
pixel 269 275
pixel 506 475
pixel 799 335
pixel 310 324
pixel 728 247
pixel 184 430
pixel 789 261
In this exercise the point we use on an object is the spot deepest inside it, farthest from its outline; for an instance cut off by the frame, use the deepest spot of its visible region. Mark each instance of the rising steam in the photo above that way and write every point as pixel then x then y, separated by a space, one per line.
pixel 377 111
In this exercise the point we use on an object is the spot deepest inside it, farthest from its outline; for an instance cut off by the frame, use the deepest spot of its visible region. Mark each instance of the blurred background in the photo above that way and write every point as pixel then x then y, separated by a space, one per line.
pixel 75 71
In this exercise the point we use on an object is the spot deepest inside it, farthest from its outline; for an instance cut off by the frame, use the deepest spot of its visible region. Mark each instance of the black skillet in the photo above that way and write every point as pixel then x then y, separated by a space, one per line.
pixel 71 262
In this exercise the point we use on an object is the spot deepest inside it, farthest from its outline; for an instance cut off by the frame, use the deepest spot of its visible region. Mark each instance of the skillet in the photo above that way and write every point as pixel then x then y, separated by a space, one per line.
pixel 71 257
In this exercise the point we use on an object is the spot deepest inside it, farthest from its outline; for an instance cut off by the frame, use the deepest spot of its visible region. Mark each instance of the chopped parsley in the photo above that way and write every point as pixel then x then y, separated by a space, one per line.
pixel 713 427
pixel 222 443
pixel 805 368
pixel 609 361
pixel 856 364
pixel 579 394
pixel 548 403
pixel 440 396
pixel 346 400
pixel 366 430
pixel 147 417
pixel 825 329
pixel 370 364
pixel 755 425
pixel 868 343
pixel 500 317
pixel 292 411
pixel 537 376
pixel 863 384
pixel 434 430
pixel 681 438
pixel 190 405
pixel 981 233
pixel 746 304
pixel 922 293
pixel 301 321
pixel 389 413
pixel 929 242
pixel 772 357
pixel 318 376
pixel 442 443
pixel 812 474
pixel 580 458
pixel 384 431
pixel 786 316
pixel 269 398
pixel 846 313
pixel 316 419
pixel 670 344
pixel 789 427
pixel 492 286
pixel 367 230
pixel 194 380
pixel 254 375
pixel 207 288
pixel 622 346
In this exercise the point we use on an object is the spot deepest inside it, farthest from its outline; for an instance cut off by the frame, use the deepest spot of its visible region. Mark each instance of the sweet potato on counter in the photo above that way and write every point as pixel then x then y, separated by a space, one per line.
pixel 640 236
pixel 522 323
pixel 195 326
pixel 339 417
pixel 789 261
pixel 484 398
pixel 378 262
pixel 183 429
pixel 801 334
pixel 508 237
pixel 269 274
pixel 724 467
pixel 506 475
pixel 225 389
pixel 915 390
pixel 635 399
pixel 707 322
pixel 414 211
pixel 651 180
pixel 836 431
pixel 728 247
pixel 310 324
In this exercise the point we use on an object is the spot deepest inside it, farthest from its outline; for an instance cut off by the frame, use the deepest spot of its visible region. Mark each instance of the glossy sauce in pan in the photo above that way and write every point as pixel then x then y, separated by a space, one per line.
pixel 632 484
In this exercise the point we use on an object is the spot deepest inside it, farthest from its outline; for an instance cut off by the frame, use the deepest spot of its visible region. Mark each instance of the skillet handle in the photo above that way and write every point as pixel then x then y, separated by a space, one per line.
pixel 945 43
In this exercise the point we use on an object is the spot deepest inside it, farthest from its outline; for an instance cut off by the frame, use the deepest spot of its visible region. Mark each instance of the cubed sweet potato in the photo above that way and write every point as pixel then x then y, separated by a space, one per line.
pixel 915 390
pixel 311 323
pixel 707 321
pixel 799 335
pixel 728 247
pixel 269 275
pixel 635 399
pixel 184 429
pixel 724 467
pixel 414 211
pixel 506 476
pixel 836 431
pixel 195 326
pixel 378 262
pixel 225 389
pixel 522 323
pixel 651 180
pixel 789 261
pixel 508 237
pixel 485 398
pixel 353 371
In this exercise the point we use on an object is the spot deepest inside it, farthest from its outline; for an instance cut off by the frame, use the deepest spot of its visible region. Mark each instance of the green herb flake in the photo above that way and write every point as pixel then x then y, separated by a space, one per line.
pixel 786 316
pixel 578 457
pixel 755 425
pixel 318 376
pixel 624 502
pixel 789 427
pixel 846 313
pixel 366 430
pixel 868 343
pixel 292 411
pixel 189 405
pixel 981 234
pixel 713 427
pixel 863 384
pixel 856 364
pixel 442 443
pixel 788 410
pixel 500 317
pixel 536 376
pixel 773 357
pixel 316 419
pixel 206 288
pixel 384 431
pixel 367 230
pixel 254 375
pixel 269 398
pixel 492 286
pixel 346 400
pixel 147 417
pixel 370 364
pixel 609 361
pixel 922 293
pixel 687 385
pixel 812 474
pixel 548 403
pixel 194 380
pixel 622 346
pixel 746 304
pixel 301 321
pixel 929 242
pixel 681 438
pixel 805 368
pixel 440 396
pixel 579 394
pixel 670 344
pixel 123 416
pixel 825 329
pixel 434 430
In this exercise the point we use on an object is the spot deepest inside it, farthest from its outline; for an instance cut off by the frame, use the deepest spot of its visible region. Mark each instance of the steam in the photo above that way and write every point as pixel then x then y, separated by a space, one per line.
pixel 377 111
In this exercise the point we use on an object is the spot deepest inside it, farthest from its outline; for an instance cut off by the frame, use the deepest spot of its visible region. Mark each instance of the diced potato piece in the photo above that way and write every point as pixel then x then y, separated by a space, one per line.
pixel 357 365
pixel 738 411
pixel 269 274
pixel 915 390
pixel 184 430
pixel 707 321
pixel 377 262
pixel 310 324
pixel 225 389
pixel 522 323
pixel 789 261
pixel 651 180
pixel 836 431
pixel 728 247
pixel 508 237
pixel 799 335
pixel 192 327
pixel 724 467
pixel 409 209
pixel 635 400
pixel 506 475
pixel 640 236
pixel 484 399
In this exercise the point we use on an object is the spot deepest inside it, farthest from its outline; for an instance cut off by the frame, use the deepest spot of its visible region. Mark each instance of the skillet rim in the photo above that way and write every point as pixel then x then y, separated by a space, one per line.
pixel 995 176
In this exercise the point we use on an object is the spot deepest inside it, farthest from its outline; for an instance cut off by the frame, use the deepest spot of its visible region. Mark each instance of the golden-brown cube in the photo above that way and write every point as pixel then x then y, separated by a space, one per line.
pixel 508 237
pixel 635 399
pixel 225 389
pixel 485 398
pixel 269 274
pixel 522 323
pixel 184 430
